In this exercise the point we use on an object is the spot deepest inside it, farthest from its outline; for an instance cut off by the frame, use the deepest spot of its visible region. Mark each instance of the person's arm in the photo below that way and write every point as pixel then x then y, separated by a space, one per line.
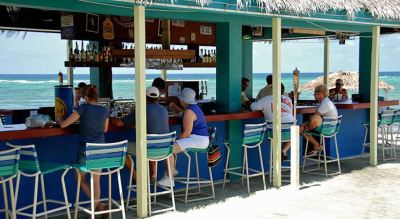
pixel 116 121
pixel 106 125
pixel 68 121
pixel 188 118
pixel 259 105
pixel 345 96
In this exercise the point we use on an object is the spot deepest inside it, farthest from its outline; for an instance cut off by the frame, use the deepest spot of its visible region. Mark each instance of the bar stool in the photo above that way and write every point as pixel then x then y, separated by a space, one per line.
pixel 330 128
pixel 285 137
pixel 9 160
pixel 159 148
pixel 385 123
pixel 187 181
pixel 396 124
pixel 29 166
pixel 99 156
pixel 253 136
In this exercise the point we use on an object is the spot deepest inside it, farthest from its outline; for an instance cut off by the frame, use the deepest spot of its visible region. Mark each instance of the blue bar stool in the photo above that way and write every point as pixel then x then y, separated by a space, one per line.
pixel 100 156
pixel 29 166
pixel 197 180
pixel 9 160
pixel 253 136
pixel 330 128
pixel 285 137
pixel 385 122
pixel 159 148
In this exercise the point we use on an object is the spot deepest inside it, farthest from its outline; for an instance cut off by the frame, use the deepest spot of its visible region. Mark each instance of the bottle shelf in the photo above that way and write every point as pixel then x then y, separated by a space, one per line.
pixel 156 53
pixel 199 65
pixel 92 64
pixel 118 64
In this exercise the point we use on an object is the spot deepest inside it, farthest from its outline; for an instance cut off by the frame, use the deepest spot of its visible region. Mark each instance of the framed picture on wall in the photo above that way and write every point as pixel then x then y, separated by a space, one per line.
pixel 92 23
pixel 178 23
pixel 205 30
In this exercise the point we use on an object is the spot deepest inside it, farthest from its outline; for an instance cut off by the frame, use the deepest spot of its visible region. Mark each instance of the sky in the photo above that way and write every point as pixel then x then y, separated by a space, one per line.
pixel 45 53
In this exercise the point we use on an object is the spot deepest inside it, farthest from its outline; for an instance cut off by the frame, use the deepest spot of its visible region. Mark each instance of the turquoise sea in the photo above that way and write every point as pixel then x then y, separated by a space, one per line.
pixel 21 91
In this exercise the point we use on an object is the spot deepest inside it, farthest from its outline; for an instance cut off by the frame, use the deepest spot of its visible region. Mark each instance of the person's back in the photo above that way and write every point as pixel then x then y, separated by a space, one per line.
pixel 92 118
pixel 200 125
pixel 157 119
pixel 327 108
pixel 265 91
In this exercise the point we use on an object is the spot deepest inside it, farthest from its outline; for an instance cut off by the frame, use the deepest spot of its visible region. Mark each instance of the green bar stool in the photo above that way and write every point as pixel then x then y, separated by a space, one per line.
pixel 396 124
pixel 196 180
pixel 330 128
pixel 29 166
pixel 159 148
pixel 285 137
pixel 100 156
pixel 9 160
pixel 253 136
pixel 385 122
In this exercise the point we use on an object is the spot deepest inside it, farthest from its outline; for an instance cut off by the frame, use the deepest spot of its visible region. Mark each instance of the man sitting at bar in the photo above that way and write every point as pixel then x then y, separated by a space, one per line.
pixel 157 123
pixel 245 100
pixel 267 90
pixel 265 104
pixel 338 93
pixel 325 108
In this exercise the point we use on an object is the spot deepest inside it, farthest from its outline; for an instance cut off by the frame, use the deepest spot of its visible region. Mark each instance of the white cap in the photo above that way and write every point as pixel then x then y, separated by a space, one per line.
pixel 152 92
pixel 188 96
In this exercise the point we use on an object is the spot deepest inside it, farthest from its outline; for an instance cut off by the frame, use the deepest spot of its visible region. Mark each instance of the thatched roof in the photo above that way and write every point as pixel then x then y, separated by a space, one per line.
pixel 379 9
pixel 349 78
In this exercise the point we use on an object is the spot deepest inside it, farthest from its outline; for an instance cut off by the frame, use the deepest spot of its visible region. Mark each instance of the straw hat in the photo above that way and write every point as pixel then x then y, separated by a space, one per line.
pixel 188 96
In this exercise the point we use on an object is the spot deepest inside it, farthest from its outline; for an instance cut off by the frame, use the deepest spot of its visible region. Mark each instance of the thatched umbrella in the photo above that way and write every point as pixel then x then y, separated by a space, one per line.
pixel 349 78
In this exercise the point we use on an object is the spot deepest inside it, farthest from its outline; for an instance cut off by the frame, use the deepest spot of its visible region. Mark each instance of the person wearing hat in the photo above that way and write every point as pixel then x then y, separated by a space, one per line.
pixel 325 108
pixel 157 123
pixel 338 93
pixel 194 130
pixel 78 98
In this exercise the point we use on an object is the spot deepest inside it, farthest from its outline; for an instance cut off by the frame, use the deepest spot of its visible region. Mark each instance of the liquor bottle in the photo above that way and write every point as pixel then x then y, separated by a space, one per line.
pixel 206 56
pixel 96 54
pixel 202 56
pixel 91 54
pixel 83 54
pixel 105 51
pixel 76 53
pixel 71 55
pixel 60 78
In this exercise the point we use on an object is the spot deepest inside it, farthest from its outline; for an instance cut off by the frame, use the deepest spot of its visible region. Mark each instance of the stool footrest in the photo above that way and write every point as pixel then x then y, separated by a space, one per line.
pixel 21 212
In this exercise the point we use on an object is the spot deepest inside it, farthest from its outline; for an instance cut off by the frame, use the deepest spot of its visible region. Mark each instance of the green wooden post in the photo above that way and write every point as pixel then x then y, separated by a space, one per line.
pixel 247 65
pixel 229 73
pixel 365 66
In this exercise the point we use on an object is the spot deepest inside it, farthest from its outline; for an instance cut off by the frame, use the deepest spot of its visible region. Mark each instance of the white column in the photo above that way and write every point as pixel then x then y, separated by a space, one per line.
pixel 326 60
pixel 140 79
pixel 70 70
pixel 294 157
pixel 276 84
pixel 373 115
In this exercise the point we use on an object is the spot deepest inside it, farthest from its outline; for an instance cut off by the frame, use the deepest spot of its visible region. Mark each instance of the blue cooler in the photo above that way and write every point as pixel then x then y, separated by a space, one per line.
pixel 64 101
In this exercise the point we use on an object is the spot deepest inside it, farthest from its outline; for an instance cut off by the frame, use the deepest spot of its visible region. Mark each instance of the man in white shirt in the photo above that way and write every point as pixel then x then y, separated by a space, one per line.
pixel 325 108
pixel 265 104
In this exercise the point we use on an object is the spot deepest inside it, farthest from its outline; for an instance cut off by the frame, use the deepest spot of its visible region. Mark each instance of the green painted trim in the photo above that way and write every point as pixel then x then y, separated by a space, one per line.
pixel 229 67
pixel 234 137
pixel 247 65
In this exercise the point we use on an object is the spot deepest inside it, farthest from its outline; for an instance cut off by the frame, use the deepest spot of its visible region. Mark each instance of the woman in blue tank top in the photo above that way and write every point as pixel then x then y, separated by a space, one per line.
pixel 195 130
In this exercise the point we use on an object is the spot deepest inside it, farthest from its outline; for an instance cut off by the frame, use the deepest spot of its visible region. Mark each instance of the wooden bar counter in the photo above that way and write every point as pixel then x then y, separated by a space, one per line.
pixel 49 132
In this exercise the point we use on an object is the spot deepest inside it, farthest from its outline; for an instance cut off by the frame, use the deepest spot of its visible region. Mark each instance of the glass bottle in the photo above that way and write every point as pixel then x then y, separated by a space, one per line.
pixel 76 52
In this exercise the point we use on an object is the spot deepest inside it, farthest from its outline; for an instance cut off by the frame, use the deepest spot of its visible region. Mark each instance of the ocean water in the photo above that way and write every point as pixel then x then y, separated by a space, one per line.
pixel 22 91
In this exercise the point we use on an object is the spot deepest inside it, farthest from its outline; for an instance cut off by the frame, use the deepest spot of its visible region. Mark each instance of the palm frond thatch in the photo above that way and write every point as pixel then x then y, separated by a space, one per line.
pixel 379 9
pixel 12 33
pixel 349 78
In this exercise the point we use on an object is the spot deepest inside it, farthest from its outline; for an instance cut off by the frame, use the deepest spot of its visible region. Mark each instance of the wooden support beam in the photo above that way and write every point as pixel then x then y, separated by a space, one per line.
pixel 140 79
pixel 326 60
